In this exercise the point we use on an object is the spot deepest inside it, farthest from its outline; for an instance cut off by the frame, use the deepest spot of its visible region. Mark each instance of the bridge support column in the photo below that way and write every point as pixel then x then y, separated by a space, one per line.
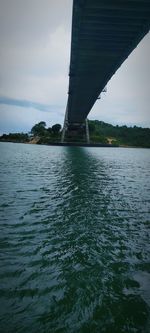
pixel 74 131
pixel 65 126
pixel 87 131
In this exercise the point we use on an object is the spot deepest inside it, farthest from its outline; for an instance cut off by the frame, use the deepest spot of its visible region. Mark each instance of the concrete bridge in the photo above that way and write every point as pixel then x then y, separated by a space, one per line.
pixel 104 33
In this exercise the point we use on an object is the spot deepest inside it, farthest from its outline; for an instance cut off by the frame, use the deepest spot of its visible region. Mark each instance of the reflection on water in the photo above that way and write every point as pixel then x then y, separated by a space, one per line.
pixel 74 239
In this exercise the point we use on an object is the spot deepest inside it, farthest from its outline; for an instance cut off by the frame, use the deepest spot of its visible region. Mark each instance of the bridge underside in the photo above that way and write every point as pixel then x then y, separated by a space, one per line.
pixel 104 33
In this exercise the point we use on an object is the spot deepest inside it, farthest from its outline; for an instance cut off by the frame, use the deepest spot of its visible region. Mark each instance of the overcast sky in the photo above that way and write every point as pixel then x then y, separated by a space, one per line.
pixel 34 64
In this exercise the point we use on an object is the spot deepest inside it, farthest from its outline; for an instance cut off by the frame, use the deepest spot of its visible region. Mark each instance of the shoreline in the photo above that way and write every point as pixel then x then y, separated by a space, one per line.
pixel 77 144
pixel 67 144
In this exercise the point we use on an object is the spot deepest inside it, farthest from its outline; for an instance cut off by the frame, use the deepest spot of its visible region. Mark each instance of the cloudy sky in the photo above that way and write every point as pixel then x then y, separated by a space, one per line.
pixel 34 64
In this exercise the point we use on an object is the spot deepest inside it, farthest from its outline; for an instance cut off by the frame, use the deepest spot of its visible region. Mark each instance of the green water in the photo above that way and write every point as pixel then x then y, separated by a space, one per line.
pixel 74 239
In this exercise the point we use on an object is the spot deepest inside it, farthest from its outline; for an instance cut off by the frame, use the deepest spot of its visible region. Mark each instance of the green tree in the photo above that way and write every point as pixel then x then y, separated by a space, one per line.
pixel 49 130
pixel 39 129
pixel 56 128
pixel 91 127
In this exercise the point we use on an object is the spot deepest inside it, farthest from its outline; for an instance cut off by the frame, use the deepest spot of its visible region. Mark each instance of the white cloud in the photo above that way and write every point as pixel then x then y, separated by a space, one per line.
pixel 127 99
pixel 37 73
pixel 27 22
pixel 22 119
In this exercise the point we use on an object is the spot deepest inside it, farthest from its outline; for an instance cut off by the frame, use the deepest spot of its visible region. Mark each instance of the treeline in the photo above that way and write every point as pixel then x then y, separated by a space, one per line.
pixel 121 135
pixel 38 134
pixel 46 135
pixel 15 137
pixel 100 132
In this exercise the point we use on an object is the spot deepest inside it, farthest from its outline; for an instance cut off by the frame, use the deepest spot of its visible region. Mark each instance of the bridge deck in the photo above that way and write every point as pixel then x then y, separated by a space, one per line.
pixel 104 33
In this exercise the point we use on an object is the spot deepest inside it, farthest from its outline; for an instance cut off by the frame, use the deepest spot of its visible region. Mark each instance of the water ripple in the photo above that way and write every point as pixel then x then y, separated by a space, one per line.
pixel 74 239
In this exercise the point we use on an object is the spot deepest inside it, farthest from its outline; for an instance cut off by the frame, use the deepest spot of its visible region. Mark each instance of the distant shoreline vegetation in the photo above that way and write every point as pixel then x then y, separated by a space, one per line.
pixel 100 133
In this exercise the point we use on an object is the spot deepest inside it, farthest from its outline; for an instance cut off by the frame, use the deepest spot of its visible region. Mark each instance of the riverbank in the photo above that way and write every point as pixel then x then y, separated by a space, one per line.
pixel 72 144
pixel 101 135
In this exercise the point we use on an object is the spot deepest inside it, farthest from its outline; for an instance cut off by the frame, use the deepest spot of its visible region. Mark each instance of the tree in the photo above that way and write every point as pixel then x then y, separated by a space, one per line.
pixel 39 129
pixel 49 130
pixel 91 127
pixel 56 128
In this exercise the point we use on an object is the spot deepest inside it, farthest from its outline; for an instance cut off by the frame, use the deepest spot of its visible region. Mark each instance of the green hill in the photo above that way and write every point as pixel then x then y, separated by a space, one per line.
pixel 121 135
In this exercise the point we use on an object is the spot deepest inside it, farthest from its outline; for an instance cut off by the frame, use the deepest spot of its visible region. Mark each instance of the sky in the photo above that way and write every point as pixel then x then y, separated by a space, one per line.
pixel 35 37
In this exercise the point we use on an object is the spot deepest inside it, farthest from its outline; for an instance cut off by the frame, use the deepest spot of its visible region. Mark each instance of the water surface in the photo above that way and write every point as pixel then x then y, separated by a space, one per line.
pixel 74 239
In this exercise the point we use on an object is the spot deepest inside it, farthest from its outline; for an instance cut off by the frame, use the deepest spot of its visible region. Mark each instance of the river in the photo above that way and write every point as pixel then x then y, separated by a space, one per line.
pixel 74 239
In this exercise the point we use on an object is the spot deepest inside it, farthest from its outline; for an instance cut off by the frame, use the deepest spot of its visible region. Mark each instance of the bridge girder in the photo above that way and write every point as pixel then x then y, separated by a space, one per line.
pixel 104 33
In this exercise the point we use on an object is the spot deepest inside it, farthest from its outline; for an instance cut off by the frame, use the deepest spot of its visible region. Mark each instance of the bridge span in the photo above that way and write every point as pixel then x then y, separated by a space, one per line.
pixel 104 33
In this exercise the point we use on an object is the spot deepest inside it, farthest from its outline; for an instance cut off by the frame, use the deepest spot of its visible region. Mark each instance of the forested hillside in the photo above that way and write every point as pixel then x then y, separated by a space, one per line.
pixel 121 135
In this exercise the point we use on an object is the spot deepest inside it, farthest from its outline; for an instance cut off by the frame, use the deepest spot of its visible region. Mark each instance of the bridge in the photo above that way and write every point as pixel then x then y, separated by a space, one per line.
pixel 104 33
